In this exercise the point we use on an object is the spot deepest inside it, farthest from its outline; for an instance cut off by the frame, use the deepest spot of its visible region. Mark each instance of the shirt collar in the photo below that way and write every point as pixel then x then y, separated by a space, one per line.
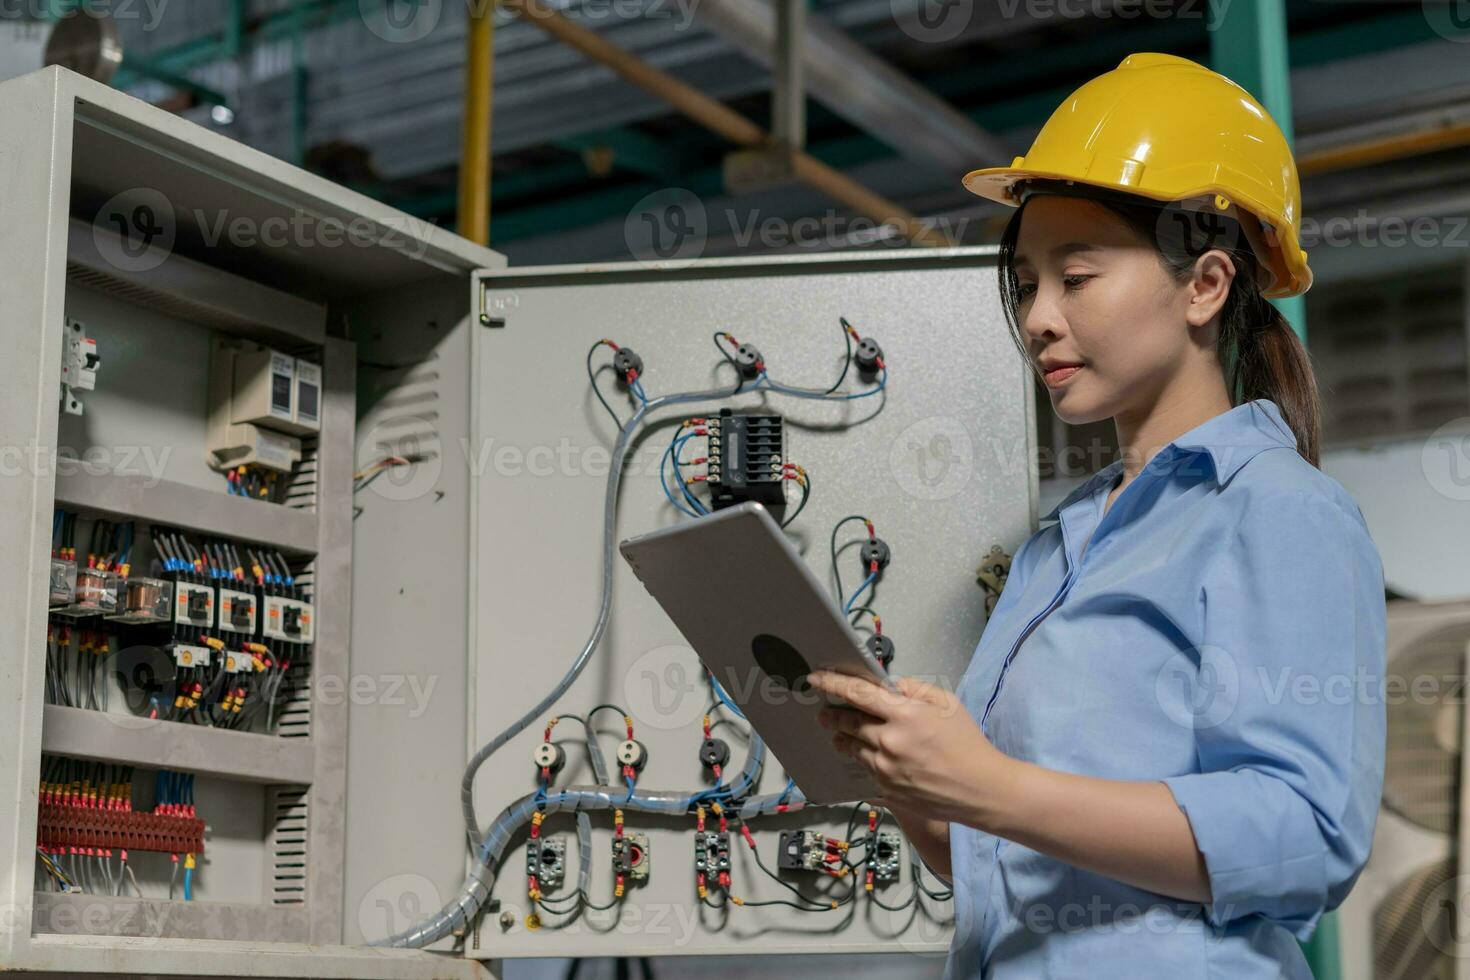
pixel 1230 440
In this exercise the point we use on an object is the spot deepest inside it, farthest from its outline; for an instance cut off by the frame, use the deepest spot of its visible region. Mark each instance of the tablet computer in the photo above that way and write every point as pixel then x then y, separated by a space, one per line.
pixel 757 617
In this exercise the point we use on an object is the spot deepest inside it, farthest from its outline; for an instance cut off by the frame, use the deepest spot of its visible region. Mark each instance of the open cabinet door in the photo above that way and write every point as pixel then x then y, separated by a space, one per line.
pixel 938 455
pixel 148 260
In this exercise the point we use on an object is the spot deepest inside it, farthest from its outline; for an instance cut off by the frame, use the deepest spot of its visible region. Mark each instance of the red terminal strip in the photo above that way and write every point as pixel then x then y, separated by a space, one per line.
pixel 73 825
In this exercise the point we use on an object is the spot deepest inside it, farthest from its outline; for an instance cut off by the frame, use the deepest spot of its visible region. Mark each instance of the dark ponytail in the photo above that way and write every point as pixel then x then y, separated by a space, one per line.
pixel 1261 355
pixel 1271 361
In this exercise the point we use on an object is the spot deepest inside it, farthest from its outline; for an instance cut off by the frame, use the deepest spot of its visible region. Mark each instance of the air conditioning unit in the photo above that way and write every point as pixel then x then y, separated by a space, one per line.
pixel 1402 919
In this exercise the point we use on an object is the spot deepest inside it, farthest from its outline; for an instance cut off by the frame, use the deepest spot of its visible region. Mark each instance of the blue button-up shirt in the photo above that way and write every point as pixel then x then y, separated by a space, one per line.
pixel 1221 628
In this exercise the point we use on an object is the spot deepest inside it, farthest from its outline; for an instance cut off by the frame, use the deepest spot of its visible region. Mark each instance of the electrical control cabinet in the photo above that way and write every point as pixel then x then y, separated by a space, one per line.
pixel 338 632
pixel 939 459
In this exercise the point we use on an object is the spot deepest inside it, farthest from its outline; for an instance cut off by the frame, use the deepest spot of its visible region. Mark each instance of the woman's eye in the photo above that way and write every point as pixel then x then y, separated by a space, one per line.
pixel 1025 289
pixel 1075 280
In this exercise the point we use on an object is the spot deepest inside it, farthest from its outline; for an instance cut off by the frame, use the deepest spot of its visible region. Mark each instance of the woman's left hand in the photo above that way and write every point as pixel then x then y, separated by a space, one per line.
pixel 925 751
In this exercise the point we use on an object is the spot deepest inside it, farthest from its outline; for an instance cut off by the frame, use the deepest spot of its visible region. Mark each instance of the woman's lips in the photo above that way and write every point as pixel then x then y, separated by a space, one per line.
pixel 1057 377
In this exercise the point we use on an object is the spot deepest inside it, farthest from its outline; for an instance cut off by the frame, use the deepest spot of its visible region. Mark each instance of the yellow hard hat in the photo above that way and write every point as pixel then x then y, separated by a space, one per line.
pixel 1163 127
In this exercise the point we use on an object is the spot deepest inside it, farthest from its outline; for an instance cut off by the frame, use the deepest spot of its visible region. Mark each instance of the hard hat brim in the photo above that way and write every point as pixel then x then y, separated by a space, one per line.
pixel 995 184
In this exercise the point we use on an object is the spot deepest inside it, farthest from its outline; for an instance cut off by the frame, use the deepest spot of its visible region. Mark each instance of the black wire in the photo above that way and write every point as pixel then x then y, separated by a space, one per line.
pixel 592 379
pixel 367 481
pixel 610 707
pixel 943 896
pixel 846 361
pixel 827 907
pixel 806 491
pixel 835 573
pixel 913 897
pixel 856 613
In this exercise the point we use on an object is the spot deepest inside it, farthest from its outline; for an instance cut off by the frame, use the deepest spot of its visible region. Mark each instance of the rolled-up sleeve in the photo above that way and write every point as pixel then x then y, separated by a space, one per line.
pixel 1287 711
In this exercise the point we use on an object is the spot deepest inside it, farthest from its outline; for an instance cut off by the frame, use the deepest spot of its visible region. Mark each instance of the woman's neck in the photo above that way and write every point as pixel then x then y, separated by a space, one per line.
pixel 1143 432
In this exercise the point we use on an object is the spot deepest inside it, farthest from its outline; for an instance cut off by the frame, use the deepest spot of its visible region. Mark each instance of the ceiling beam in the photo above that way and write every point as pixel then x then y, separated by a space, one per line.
pixel 862 88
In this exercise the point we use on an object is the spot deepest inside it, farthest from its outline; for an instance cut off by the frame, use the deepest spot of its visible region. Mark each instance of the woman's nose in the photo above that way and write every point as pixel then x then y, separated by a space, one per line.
pixel 1043 321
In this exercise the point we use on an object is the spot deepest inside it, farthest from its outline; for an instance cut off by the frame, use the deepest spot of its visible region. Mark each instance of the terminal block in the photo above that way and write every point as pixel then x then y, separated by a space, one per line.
pixel 73 825
pixel 546 860
pixel 630 856
pixel 801 850
pixel 711 854
pixel 884 849
pixel 746 453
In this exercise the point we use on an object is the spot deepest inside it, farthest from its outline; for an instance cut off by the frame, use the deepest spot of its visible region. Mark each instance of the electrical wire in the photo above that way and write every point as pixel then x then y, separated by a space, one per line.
pixel 806 491
pixel 488 844
pixel 836 572
pixel 867 582
pixel 592 379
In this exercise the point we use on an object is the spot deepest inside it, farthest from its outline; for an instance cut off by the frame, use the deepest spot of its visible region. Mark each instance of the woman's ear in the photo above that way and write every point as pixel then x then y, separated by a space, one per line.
pixel 1214 271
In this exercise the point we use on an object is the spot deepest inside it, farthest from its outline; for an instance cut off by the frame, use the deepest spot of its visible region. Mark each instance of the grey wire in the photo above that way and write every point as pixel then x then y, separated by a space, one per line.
pixel 609 529
pixel 461 912
pixel 584 851
pixel 489 846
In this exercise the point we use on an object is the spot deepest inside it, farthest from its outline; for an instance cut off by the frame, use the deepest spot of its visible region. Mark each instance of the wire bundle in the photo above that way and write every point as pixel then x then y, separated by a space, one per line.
pixel 488 846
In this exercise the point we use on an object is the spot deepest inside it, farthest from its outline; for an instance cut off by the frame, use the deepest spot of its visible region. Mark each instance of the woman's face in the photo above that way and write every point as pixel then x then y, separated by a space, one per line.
pixel 1102 318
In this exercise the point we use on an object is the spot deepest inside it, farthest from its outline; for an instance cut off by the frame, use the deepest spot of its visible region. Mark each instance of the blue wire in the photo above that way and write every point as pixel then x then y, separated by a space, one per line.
pixel 188 884
pixel 720 693
pixel 872 577
pixel 663 481
pixel 629 797
pixel 637 389
pixel 694 501
pixel 696 509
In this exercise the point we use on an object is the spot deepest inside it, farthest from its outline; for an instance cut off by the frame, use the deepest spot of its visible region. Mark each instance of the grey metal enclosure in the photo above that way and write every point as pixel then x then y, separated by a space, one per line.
pixel 444 524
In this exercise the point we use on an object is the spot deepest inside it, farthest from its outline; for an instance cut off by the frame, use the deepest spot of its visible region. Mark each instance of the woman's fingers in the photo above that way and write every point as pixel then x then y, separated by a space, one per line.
pixel 852 723
pixel 858 692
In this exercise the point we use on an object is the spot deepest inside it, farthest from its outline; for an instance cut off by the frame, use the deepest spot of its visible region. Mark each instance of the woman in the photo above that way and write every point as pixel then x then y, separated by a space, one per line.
pixel 1166 755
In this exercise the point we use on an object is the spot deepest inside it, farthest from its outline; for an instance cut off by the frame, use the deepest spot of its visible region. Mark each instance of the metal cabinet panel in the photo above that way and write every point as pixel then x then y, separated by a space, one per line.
pixel 941 461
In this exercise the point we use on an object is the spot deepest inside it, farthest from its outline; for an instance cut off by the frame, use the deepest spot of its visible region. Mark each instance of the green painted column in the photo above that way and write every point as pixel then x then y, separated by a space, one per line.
pixel 299 82
pixel 1248 46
